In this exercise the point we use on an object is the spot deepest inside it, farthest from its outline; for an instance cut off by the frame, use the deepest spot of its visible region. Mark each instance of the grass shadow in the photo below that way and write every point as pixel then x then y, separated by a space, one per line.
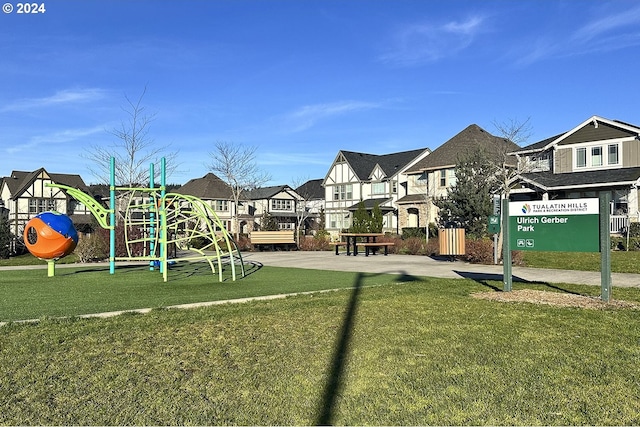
pixel 335 381
pixel 485 278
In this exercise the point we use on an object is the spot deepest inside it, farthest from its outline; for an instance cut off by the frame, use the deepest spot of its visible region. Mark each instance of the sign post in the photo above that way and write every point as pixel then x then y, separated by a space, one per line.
pixel 568 225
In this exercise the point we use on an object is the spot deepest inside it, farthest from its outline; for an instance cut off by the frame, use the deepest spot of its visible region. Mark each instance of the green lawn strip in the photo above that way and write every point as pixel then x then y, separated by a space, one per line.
pixel 30 294
pixel 422 352
pixel 621 261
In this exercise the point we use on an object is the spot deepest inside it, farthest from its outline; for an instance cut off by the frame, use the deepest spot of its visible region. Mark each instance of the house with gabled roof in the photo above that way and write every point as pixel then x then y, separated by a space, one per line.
pixel 216 193
pixel 26 194
pixel 369 178
pixel 431 177
pixel 598 155
pixel 279 201
pixel 312 194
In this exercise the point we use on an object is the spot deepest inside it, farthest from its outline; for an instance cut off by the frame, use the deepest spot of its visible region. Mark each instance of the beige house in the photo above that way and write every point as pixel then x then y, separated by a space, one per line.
pixel 280 201
pixel 431 177
pixel 25 194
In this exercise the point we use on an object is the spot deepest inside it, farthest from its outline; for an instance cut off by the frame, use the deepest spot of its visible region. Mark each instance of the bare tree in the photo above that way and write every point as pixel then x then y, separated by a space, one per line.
pixel 303 210
pixel 517 132
pixel 236 165
pixel 133 149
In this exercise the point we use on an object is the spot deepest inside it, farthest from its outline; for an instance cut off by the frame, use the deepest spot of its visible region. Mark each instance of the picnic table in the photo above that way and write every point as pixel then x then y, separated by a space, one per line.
pixel 367 241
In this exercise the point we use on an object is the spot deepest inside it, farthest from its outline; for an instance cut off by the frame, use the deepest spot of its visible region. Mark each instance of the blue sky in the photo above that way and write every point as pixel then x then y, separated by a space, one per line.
pixel 302 79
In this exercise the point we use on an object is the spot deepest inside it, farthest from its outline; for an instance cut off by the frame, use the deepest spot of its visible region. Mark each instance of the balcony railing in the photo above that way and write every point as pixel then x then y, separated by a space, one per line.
pixel 618 224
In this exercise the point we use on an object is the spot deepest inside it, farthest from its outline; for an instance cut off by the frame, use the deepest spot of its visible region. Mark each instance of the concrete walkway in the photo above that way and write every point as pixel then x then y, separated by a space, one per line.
pixel 414 265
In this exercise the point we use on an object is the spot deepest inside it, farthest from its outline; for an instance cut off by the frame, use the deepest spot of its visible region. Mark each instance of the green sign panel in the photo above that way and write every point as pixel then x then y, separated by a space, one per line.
pixel 570 225
pixel 494 224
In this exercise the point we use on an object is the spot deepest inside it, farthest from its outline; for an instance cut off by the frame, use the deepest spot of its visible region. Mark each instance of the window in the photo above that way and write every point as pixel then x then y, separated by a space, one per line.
pixel 222 205
pixel 281 205
pixel 377 188
pixel 394 187
pixel 596 156
pixel 443 178
pixel 447 177
pixel 343 192
pixel 37 205
pixel 612 154
pixel 581 157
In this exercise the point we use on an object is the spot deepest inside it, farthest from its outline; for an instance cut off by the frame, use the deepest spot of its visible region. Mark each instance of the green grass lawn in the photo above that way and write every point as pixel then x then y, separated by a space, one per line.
pixel 30 294
pixel 621 261
pixel 411 351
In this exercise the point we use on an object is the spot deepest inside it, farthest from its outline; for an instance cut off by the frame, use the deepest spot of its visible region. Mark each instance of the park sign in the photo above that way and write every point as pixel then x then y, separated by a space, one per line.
pixel 569 225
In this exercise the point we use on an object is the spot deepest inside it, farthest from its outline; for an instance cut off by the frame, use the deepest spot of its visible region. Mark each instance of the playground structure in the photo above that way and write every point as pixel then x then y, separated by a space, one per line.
pixel 153 220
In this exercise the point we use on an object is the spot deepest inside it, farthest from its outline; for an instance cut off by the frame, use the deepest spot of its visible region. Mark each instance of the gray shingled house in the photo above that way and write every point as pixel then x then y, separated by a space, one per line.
pixel 214 192
pixel 598 155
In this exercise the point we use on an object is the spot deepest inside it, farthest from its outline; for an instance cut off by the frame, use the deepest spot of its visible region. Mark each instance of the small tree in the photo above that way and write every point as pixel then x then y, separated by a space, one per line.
pixel 268 222
pixel 361 220
pixel 469 201
pixel 5 237
pixel 375 225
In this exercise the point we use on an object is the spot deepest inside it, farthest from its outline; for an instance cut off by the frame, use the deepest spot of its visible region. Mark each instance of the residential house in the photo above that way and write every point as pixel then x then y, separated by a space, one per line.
pixel 216 193
pixel 431 177
pixel 25 194
pixel 312 194
pixel 280 201
pixel 598 155
pixel 373 179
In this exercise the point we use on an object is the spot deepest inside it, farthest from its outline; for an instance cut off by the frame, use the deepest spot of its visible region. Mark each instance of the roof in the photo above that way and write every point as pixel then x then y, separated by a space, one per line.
pixel 19 181
pixel 594 128
pixel 265 192
pixel 606 177
pixel 469 139
pixel 412 198
pixel 311 189
pixel 209 187
pixel 363 164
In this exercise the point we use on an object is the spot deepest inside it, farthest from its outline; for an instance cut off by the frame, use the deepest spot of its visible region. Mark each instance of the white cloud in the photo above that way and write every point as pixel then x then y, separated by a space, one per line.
pixel 605 33
pixel 421 43
pixel 59 137
pixel 307 116
pixel 63 97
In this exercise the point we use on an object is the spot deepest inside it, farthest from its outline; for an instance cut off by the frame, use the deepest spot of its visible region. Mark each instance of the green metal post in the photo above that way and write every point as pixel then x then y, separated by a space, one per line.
pixel 605 247
pixel 163 219
pixel 51 267
pixel 152 209
pixel 112 217
pixel 506 248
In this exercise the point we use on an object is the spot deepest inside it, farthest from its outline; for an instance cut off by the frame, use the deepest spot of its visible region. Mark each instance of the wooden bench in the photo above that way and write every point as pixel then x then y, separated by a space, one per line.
pixel 337 245
pixel 273 238
pixel 372 246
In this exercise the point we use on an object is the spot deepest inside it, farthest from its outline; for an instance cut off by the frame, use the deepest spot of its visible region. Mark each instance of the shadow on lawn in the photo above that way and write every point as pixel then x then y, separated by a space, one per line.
pixel 335 382
pixel 176 271
pixel 485 278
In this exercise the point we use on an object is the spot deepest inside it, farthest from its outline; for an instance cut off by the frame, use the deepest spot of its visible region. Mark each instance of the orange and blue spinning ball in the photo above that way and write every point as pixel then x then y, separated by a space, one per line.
pixel 50 235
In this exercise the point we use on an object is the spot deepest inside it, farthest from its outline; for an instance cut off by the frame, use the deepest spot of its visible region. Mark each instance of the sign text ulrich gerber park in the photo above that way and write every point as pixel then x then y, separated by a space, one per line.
pixel 570 225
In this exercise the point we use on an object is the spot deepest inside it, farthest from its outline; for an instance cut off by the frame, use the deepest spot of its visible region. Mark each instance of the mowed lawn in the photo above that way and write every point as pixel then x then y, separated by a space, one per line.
pixel 384 350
